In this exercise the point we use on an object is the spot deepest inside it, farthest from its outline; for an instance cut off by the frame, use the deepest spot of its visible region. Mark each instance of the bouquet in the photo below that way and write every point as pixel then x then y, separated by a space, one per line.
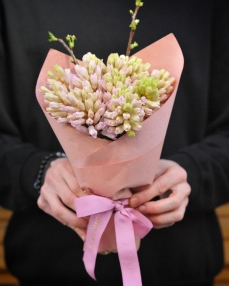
pixel 111 121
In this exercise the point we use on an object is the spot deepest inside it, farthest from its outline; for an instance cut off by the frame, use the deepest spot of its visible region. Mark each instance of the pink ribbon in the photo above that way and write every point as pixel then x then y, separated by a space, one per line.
pixel 127 221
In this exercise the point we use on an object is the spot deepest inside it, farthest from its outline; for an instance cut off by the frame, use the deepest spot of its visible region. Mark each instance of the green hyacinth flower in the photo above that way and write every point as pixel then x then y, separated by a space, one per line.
pixel 147 87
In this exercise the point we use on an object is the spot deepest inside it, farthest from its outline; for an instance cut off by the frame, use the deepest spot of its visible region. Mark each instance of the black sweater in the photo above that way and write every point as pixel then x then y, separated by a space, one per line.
pixel 39 250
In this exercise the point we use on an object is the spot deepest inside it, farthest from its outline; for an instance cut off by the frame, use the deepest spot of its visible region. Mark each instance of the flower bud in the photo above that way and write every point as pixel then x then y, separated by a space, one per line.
pixel 89 121
pixel 109 135
pixel 119 129
pixel 109 86
pixel 91 67
pixel 94 81
pixel 62 120
pixel 127 107
pixel 126 115
pixel 52 38
pixel 130 133
pixel 100 125
pixel 79 121
pixel 79 114
pixel 88 104
pixel 57 114
pixel 77 81
pixel 81 72
pixel 92 131
pixel 69 109
pixel 126 125
pixel 51 97
pixel 82 129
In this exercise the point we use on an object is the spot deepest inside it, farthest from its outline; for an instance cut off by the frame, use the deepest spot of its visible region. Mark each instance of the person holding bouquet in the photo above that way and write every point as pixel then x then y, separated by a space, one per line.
pixel 44 239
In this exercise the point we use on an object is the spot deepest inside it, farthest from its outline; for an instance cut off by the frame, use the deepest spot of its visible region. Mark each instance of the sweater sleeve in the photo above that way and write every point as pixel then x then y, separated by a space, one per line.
pixel 19 161
pixel 19 167
pixel 207 162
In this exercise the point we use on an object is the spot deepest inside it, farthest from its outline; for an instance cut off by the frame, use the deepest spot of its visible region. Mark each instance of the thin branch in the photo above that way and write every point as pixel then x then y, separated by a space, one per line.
pixel 69 50
pixel 132 31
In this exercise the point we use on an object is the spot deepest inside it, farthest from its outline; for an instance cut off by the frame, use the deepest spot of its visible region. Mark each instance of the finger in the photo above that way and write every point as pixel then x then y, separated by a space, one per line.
pixel 67 197
pixel 168 204
pixel 163 183
pixel 68 175
pixel 140 188
pixel 48 192
pixel 73 184
pixel 81 232
pixel 54 183
pixel 162 166
pixel 74 187
pixel 54 207
pixel 159 226
pixel 169 218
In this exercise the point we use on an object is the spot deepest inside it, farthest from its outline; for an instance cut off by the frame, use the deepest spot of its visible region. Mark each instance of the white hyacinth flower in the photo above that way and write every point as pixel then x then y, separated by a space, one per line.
pixel 106 100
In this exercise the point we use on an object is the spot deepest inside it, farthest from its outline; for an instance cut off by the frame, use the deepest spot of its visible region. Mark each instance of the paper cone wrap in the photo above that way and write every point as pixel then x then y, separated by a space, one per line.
pixel 105 166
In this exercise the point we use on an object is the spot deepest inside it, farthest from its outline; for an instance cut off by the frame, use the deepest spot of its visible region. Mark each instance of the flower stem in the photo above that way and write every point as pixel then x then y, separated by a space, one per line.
pixel 132 31
pixel 74 60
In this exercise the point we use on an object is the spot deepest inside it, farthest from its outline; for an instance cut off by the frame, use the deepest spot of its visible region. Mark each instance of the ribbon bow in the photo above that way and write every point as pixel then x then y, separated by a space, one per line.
pixel 127 221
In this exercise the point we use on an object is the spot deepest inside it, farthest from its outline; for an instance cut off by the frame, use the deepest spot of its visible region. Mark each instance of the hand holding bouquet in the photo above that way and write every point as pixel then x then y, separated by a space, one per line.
pixel 128 100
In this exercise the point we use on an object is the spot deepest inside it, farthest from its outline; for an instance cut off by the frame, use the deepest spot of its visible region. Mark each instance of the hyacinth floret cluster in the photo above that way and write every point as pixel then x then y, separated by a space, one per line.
pixel 106 100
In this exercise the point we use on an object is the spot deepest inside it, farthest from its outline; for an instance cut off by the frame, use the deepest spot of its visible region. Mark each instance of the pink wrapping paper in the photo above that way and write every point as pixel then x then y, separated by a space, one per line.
pixel 111 168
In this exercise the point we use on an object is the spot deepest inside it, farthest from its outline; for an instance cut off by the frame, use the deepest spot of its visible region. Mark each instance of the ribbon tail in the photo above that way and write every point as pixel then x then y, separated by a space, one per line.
pixel 127 252
pixel 96 226
pixel 141 224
